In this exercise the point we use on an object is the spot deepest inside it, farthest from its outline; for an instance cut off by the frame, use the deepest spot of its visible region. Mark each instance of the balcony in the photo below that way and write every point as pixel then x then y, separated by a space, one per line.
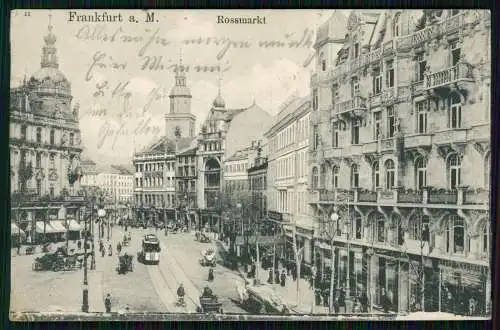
pixel 356 105
pixel 442 196
pixel 462 72
pixel 476 197
pixel 370 147
pixel 410 196
pixel 326 195
pixel 387 196
pixel 387 144
pixel 457 135
pixel 353 150
pixel 367 196
pixel 418 141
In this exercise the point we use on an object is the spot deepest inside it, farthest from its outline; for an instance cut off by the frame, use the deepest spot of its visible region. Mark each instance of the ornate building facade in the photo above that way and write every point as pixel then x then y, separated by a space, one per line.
pixel 400 128
pixel 45 145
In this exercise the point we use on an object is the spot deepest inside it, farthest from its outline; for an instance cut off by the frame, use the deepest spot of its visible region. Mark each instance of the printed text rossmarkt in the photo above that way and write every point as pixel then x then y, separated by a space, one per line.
pixel 241 20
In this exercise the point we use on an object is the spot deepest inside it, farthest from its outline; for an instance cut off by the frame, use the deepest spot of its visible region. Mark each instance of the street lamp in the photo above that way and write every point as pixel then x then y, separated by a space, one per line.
pixel 239 206
pixel 85 293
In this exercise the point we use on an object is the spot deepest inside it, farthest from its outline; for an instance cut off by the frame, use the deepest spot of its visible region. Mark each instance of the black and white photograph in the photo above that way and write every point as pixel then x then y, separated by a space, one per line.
pixel 250 164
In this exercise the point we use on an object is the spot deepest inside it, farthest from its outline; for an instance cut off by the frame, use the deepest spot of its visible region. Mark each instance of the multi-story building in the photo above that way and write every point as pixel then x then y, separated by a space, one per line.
pixel 236 167
pixel 287 174
pixel 155 177
pixel 257 184
pixel 45 146
pixel 401 146
pixel 186 177
pixel 223 133
pixel 89 171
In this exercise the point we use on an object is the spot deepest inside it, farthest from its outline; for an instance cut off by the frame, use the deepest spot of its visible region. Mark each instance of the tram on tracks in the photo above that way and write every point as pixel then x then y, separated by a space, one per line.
pixel 150 250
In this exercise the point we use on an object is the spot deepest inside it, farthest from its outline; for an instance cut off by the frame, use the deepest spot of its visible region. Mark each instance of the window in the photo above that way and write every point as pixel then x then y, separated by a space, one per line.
pixel 454 168
pixel 377 81
pixel 419 228
pixel 335 135
pixel 335 93
pixel 52 161
pixel 315 99
pixel 389 74
pixel 356 50
pixel 322 61
pixel 322 177
pixel 335 176
pixel 377 125
pixel 38 160
pixel 390 173
pixel 398 233
pixel 421 117
pixel 38 135
pixel 315 178
pixel 422 65
pixel 51 191
pixel 380 228
pixel 421 173
pixel 354 176
pixel 358 227
pixel 485 244
pixel 39 187
pixel 395 26
pixel 24 132
pixel 487 167
pixel 52 137
pixel 315 137
pixel 391 122
pixel 354 87
pixel 355 131
pixel 455 235
pixel 455 53
pixel 376 175
pixel 455 112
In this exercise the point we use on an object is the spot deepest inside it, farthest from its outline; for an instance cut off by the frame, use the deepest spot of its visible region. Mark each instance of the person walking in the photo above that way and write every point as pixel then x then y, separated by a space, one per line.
pixel 384 301
pixel 110 250
pixel 210 274
pixel 270 278
pixel 107 303
pixel 103 251
pixel 276 276
pixel 283 278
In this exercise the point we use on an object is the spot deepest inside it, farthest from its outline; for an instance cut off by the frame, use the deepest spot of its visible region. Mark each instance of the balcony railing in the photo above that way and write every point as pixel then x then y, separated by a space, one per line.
pixel 326 195
pixel 452 135
pixel 357 103
pixel 333 153
pixel 442 196
pixel 410 196
pixel 367 196
pixel 461 71
pixel 420 140
pixel 479 196
pixel 387 144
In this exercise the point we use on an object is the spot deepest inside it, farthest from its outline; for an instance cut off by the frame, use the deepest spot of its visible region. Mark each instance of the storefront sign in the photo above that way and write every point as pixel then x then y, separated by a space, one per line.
pixel 276 216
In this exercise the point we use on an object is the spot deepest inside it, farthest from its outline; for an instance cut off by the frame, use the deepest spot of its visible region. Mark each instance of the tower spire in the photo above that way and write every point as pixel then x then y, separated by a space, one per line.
pixel 49 57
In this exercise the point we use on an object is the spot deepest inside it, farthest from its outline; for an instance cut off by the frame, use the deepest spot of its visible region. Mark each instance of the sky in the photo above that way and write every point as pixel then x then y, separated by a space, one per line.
pixel 122 103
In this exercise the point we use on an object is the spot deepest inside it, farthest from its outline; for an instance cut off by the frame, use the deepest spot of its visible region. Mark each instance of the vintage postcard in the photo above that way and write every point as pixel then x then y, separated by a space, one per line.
pixel 254 164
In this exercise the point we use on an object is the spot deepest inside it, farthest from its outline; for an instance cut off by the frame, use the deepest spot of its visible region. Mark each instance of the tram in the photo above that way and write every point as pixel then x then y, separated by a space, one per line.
pixel 150 250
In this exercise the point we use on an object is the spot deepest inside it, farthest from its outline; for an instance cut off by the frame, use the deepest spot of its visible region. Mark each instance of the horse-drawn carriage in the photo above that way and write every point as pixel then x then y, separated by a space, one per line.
pixel 125 263
pixel 202 237
pixel 209 302
pixel 208 258
pixel 58 260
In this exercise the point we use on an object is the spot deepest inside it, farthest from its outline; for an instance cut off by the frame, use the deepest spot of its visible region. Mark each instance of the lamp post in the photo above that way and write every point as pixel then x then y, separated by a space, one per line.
pixel 85 293
pixel 238 206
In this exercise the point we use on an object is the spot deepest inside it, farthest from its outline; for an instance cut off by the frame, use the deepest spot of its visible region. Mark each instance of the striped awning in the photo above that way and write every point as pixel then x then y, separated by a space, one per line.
pixel 74 226
pixel 42 227
pixel 15 230
pixel 58 226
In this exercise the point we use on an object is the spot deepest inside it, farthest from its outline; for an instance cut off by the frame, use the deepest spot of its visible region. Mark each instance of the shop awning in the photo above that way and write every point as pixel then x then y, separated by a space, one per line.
pixel 40 226
pixel 58 226
pixel 15 230
pixel 74 226
pixel 263 240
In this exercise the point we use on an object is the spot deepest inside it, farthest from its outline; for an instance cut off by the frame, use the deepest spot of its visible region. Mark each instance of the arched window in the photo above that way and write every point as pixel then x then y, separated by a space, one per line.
pixel 396 25
pixel 322 61
pixel 454 171
pixel 322 177
pixel 397 230
pixel 419 228
pixel 38 160
pixel 455 234
pixel 335 176
pixel 390 174
pixel 24 132
pixel 52 137
pixel 39 134
pixel 354 176
pixel 455 111
pixel 375 175
pixel 487 167
pixel 485 240
pixel 379 228
pixel 420 173
pixel 357 229
pixel 315 178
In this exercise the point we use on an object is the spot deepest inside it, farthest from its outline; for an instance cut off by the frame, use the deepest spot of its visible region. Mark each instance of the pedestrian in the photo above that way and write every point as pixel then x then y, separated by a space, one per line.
pixel 336 305
pixel 270 278
pixel 103 252
pixel 126 227
pixel 276 276
pixel 210 274
pixel 101 246
pixel 119 247
pixel 364 302
pixel 384 300
pixel 283 278
pixel 107 303
pixel 79 245
pixel 294 273
pixel 110 252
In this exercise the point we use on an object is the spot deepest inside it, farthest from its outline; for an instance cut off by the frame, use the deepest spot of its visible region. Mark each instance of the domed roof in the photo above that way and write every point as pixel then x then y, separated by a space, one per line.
pixel 50 77
pixel 180 91
pixel 219 102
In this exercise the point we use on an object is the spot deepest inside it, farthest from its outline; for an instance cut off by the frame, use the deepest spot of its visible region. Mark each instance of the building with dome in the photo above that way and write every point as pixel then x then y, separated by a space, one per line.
pixel 45 147
pixel 399 175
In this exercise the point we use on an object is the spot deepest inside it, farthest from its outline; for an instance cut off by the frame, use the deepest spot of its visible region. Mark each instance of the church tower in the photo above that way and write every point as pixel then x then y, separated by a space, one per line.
pixel 179 121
